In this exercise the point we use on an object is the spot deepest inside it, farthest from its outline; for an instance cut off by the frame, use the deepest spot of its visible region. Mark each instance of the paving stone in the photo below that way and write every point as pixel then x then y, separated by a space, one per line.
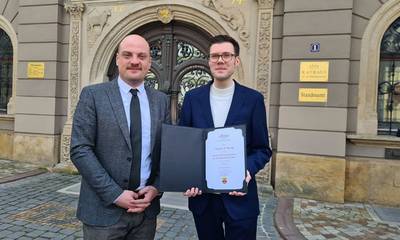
pixel 167 225
pixel 16 228
pixel 54 229
pixel 162 230
pixel 50 235
pixel 79 234
pixel 67 231
pixel 35 233
pixel 187 235
pixel 16 235
pixel 58 237
pixel 5 233
pixel 69 238
pixel 5 226
pixel 171 234
pixel 168 238
pixel 24 238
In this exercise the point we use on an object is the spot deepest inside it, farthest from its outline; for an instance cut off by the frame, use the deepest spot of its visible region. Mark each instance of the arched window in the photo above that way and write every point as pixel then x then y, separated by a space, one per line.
pixel 389 82
pixel 388 104
pixel 6 69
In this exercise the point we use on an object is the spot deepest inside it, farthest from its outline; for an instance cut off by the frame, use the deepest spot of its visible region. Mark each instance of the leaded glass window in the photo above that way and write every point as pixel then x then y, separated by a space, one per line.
pixel 190 80
pixel 388 104
pixel 6 69
pixel 187 51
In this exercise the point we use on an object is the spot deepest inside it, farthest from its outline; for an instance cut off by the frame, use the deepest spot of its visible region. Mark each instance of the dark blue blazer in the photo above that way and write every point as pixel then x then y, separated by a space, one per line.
pixel 247 108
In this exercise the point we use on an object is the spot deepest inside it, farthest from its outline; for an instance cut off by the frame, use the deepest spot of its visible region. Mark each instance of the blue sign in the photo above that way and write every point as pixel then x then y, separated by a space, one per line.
pixel 315 47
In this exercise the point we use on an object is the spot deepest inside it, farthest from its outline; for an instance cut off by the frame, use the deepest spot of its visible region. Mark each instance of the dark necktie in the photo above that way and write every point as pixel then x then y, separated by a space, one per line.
pixel 136 140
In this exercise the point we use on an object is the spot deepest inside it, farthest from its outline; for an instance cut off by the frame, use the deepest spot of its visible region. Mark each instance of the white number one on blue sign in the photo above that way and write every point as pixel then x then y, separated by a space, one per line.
pixel 315 47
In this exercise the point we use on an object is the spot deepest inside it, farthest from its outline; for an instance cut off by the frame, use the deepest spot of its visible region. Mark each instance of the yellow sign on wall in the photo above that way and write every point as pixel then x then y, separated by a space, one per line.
pixel 314 71
pixel 313 95
pixel 35 70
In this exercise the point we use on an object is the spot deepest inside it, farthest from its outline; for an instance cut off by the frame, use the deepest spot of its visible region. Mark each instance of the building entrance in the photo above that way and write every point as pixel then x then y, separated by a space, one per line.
pixel 179 60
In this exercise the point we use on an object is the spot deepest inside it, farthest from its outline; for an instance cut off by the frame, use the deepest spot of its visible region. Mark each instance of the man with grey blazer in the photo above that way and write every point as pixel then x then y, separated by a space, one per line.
pixel 115 146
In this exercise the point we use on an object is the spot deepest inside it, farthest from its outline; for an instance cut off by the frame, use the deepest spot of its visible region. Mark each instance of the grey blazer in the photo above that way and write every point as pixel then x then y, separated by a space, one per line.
pixel 101 150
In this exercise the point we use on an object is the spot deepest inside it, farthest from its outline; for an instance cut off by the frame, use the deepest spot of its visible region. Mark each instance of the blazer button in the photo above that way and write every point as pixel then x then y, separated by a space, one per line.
pixel 129 159
pixel 125 180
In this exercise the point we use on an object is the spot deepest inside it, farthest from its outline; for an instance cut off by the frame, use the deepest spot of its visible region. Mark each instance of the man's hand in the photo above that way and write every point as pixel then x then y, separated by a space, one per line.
pixel 126 199
pixel 193 192
pixel 240 194
pixel 145 196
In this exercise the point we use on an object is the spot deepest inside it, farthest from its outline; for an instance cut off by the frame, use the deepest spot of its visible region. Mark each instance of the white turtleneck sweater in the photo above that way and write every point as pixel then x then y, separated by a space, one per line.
pixel 220 100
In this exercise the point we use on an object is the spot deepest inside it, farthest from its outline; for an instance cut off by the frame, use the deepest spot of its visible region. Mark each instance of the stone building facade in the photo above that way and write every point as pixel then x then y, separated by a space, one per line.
pixel 328 148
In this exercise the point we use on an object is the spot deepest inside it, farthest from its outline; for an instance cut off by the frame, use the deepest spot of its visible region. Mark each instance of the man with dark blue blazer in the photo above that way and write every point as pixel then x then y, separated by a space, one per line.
pixel 115 146
pixel 224 102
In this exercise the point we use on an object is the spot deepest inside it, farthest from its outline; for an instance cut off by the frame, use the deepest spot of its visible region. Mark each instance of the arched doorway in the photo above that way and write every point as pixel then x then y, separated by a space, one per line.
pixel 179 53
pixel 6 70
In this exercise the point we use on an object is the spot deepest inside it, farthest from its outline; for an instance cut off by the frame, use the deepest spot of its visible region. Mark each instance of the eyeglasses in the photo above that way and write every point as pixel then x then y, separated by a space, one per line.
pixel 226 57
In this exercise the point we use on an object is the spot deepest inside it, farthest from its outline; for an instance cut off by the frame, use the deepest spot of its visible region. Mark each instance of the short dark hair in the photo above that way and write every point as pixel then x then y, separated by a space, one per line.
pixel 225 38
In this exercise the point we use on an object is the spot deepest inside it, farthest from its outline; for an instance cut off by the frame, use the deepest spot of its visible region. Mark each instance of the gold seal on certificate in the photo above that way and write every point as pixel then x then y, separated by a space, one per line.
pixel 224 180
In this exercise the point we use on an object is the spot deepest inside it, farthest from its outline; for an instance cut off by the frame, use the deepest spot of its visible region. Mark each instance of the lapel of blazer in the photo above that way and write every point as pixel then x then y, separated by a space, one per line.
pixel 206 105
pixel 153 114
pixel 236 105
pixel 118 108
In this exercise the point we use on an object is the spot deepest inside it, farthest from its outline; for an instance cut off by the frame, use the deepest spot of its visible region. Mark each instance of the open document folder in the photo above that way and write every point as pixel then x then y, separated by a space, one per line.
pixel 214 160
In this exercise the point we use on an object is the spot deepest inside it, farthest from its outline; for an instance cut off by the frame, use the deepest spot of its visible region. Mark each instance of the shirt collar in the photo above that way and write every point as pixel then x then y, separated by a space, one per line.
pixel 125 88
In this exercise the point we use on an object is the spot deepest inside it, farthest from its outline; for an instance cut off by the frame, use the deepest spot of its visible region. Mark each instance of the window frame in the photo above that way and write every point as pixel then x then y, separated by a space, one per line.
pixel 6 26
pixel 6 64
pixel 367 117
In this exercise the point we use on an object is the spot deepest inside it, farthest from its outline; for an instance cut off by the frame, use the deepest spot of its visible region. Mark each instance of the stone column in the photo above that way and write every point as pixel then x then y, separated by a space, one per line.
pixel 75 10
pixel 263 70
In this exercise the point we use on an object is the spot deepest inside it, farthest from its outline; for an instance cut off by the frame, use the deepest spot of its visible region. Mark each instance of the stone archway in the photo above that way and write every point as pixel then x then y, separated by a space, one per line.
pixel 107 46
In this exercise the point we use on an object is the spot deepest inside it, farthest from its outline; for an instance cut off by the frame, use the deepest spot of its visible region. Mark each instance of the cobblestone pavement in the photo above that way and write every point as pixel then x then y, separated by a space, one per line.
pixel 32 208
pixel 10 168
pixel 320 220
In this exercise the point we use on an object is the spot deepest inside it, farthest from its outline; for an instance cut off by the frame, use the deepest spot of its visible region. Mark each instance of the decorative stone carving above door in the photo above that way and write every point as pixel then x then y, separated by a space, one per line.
pixel 95 25
pixel 232 15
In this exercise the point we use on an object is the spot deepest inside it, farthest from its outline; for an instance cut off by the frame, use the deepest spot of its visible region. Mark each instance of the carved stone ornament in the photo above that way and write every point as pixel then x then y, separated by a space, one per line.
pixel 266 3
pixel 95 25
pixel 264 56
pixel 65 145
pixel 75 9
pixel 74 66
pixel 264 53
pixel 232 15
pixel 165 15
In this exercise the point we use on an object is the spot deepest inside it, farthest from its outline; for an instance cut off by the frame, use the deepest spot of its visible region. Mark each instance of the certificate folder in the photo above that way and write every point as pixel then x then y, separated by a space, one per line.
pixel 184 160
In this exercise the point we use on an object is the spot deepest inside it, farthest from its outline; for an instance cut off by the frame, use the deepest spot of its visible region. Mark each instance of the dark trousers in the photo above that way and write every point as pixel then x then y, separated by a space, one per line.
pixel 216 224
pixel 131 226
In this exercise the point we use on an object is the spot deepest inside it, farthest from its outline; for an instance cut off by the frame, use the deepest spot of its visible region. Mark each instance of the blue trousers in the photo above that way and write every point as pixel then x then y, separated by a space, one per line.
pixel 216 224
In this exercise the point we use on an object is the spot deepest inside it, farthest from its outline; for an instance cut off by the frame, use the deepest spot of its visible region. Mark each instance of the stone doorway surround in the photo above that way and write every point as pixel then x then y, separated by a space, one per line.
pixel 97 26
